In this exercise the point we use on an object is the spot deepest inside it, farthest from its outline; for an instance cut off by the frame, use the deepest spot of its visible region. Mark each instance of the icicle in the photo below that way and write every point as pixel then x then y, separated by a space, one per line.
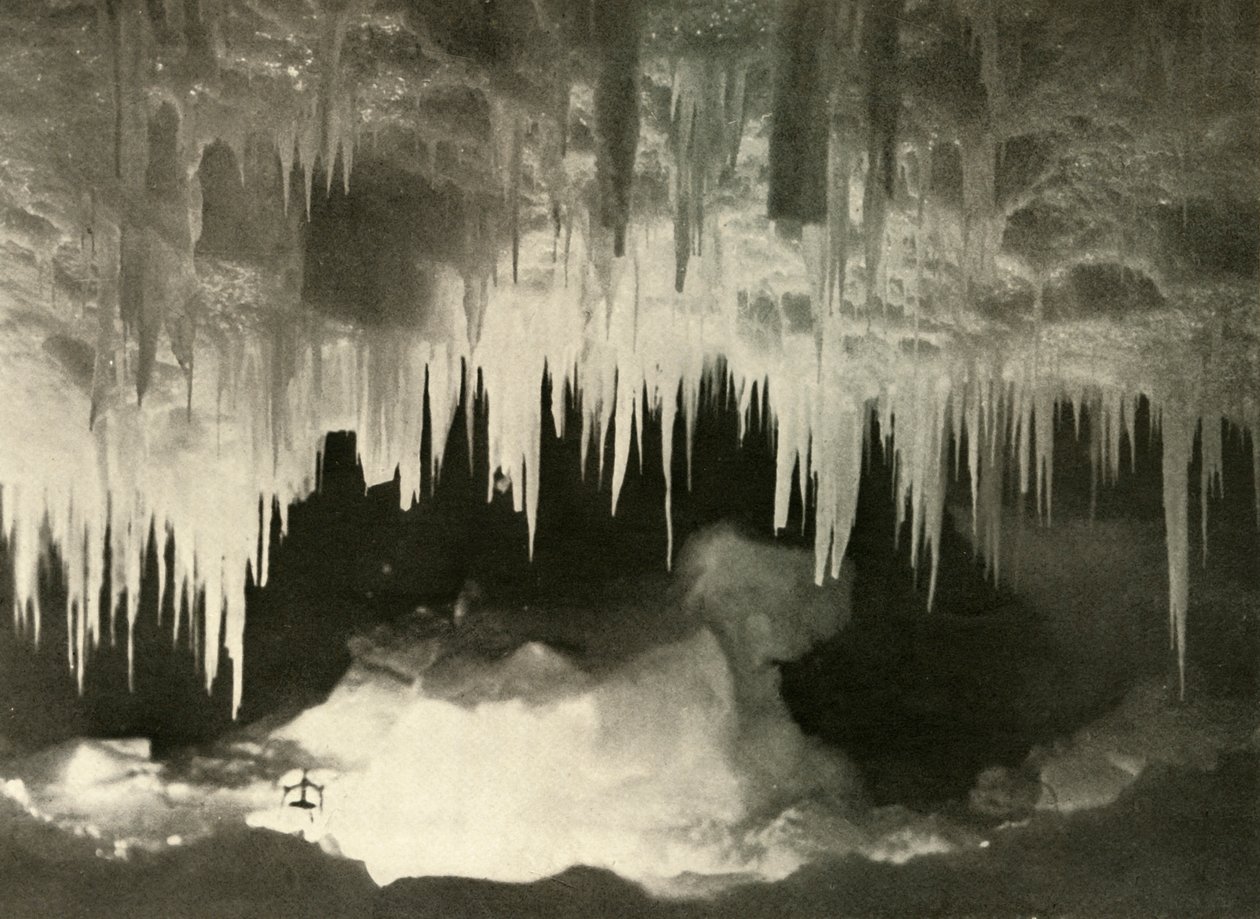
pixel 669 409
pixel 1113 411
pixel 794 416
pixel 627 396
pixel 558 384
pixel 1209 472
pixel 921 441
pixel 1178 438
pixel 532 481
pixel 638 427
pixel 611 388
pixel 333 116
pixel 444 386
pixel 286 146
pixel 838 472
pixel 470 387
pixel 743 412
pixel 1023 432
pixel 587 438
pixel 264 546
pixel 971 420
pixel 956 406
pixel 992 463
pixel 1044 434
pixel 691 407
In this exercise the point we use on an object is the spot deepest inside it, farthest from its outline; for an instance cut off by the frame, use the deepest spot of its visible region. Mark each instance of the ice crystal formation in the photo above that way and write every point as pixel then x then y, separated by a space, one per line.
pixel 961 218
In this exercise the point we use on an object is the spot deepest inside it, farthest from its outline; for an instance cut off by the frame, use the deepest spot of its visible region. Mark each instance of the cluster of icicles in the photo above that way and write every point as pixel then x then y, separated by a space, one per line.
pixel 252 432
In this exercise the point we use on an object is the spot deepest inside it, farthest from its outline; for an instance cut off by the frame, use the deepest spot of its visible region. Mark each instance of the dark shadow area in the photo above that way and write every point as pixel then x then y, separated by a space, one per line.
pixel 923 700
pixel 372 255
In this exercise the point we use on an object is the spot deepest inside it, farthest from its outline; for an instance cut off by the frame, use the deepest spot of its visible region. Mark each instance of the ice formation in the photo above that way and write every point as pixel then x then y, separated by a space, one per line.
pixel 254 422
pixel 628 331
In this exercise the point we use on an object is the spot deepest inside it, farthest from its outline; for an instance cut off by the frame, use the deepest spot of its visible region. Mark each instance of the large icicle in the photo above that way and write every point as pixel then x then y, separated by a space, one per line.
pixel 1178 428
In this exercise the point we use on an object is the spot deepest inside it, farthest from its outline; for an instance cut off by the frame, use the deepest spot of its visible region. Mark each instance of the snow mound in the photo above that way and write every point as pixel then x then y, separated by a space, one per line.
pixel 442 754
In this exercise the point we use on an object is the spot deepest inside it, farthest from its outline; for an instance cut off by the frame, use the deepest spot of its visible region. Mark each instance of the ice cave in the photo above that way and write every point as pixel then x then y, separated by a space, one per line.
pixel 663 458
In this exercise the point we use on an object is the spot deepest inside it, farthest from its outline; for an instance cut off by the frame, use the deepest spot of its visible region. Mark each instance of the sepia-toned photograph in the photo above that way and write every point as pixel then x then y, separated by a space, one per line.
pixel 629 459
